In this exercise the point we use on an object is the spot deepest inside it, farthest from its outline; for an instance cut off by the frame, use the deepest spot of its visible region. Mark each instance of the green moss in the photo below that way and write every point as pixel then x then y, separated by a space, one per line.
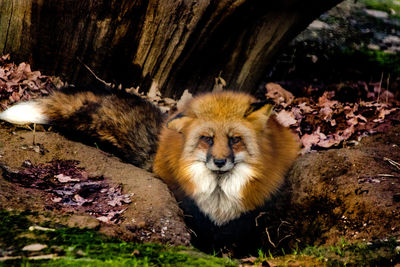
pixel 82 247
pixel 382 5
pixel 12 226
pixel 382 253
pixel 386 62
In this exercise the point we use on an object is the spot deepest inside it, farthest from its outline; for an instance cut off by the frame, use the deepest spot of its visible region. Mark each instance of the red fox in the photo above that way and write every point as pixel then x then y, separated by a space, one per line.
pixel 223 150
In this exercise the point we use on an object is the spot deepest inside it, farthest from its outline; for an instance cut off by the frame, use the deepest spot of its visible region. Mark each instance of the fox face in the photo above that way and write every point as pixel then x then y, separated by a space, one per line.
pixel 222 151
pixel 219 148
pixel 217 159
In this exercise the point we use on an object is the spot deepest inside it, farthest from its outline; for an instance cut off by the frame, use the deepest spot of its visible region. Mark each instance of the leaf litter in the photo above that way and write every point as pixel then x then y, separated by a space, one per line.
pixel 69 188
pixel 325 122
pixel 20 83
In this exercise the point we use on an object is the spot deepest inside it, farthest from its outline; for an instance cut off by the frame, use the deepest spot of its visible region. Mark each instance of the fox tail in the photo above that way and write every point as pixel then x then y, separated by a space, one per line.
pixel 128 125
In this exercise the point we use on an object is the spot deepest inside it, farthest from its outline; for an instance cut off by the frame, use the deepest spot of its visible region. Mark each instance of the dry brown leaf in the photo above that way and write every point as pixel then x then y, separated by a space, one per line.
pixel 279 95
pixel 324 100
pixel 308 140
pixel 186 96
pixel 65 179
pixel 286 118
pixel 305 107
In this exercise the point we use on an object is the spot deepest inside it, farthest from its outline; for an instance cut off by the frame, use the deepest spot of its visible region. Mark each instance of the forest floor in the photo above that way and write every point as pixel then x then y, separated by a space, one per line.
pixel 65 203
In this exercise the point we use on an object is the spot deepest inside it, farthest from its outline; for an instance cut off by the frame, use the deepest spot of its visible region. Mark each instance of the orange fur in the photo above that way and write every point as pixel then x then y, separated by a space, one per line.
pixel 269 149
pixel 222 150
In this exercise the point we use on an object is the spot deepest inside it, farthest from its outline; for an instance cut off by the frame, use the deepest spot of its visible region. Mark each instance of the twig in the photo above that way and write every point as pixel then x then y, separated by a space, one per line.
pixel 40 228
pixel 269 238
pixel 192 232
pixel 94 74
pixel 34 134
pixel 392 162
pixel 380 87
pixel 387 88
pixel 258 217
pixel 287 236
pixel 282 223
pixel 38 257
pixel 385 175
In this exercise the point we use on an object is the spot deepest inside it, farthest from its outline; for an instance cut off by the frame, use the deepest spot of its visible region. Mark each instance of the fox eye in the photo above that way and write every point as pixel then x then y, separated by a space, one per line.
pixel 208 139
pixel 235 140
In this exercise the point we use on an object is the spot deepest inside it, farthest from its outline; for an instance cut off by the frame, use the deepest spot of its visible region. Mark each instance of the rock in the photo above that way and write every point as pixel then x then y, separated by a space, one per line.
pixel 152 203
pixel 34 247
pixel 373 47
pixel 348 192
pixel 391 39
pixel 318 25
pixel 377 13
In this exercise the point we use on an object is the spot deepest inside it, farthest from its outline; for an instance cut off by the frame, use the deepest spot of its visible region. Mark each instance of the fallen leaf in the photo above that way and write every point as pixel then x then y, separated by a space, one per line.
pixel 286 118
pixel 308 140
pixel 324 100
pixel 279 95
pixel 104 219
pixel 56 199
pixel 80 200
pixel 120 200
pixel 65 179
pixel 305 107
pixel 251 259
pixel 186 96
pixel 135 252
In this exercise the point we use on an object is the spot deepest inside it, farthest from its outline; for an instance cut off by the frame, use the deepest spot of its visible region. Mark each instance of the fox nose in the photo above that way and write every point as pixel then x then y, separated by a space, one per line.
pixel 219 162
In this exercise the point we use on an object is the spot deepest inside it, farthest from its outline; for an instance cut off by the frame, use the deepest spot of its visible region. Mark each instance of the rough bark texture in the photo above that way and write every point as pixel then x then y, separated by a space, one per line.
pixel 168 45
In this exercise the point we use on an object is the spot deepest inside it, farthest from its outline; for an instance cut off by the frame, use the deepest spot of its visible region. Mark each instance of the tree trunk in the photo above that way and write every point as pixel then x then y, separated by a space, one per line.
pixel 166 45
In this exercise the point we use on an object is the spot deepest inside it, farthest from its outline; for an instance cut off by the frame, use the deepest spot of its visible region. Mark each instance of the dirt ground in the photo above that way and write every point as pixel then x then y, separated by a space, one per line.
pixel 351 193
pixel 151 216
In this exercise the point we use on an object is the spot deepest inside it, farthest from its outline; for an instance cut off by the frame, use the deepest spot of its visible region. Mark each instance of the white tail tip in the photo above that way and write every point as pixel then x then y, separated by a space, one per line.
pixel 24 113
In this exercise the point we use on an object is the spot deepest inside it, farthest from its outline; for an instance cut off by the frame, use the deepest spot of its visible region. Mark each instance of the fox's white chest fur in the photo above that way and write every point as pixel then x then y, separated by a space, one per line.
pixel 220 197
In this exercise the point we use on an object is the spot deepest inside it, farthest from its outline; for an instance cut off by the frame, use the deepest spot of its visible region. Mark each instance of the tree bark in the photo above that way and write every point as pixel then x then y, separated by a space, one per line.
pixel 166 45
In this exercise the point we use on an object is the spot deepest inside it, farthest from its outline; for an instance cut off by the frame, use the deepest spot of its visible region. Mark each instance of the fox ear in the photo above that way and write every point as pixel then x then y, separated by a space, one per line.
pixel 178 122
pixel 259 113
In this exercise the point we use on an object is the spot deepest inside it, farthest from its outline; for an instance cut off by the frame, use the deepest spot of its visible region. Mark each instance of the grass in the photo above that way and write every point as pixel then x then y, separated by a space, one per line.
pixel 380 253
pixel 82 247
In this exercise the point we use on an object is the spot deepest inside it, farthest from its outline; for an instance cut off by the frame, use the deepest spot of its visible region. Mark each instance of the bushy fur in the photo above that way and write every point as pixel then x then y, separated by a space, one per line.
pixel 257 162
pixel 127 126
pixel 221 150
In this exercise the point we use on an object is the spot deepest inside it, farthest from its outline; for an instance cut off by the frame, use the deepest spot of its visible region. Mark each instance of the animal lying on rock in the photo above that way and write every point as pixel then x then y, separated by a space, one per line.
pixel 224 151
